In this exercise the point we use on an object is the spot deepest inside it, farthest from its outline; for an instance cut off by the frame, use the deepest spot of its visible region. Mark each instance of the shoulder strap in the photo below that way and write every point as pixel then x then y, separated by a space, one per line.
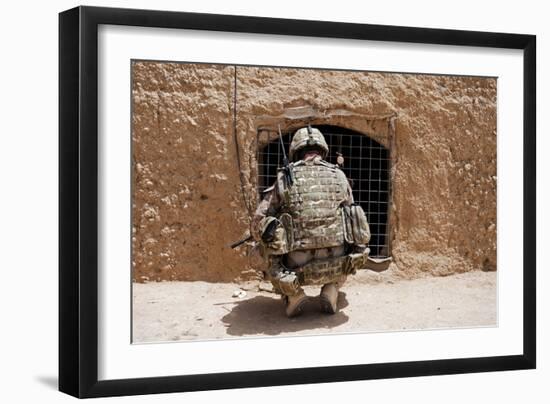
pixel 326 164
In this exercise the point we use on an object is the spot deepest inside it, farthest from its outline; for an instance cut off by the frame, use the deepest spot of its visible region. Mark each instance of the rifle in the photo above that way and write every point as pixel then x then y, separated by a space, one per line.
pixel 240 242
pixel 289 175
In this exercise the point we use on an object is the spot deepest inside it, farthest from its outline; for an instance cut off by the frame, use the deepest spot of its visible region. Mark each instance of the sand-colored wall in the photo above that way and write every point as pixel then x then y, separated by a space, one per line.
pixel 188 205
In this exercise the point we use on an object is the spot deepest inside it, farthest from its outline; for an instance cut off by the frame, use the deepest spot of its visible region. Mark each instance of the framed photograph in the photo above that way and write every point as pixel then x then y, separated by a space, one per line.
pixel 250 201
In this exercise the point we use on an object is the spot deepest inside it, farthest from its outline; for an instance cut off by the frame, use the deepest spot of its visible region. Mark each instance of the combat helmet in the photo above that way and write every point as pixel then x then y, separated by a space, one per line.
pixel 307 137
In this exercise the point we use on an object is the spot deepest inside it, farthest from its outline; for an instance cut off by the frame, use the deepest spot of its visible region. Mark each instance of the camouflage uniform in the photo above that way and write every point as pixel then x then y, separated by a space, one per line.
pixel 318 235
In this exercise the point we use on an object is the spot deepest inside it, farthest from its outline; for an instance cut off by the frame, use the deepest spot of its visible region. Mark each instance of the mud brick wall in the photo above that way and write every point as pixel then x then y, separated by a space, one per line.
pixel 188 205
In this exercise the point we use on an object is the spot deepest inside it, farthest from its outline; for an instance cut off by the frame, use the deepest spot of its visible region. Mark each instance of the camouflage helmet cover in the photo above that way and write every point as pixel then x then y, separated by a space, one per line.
pixel 307 137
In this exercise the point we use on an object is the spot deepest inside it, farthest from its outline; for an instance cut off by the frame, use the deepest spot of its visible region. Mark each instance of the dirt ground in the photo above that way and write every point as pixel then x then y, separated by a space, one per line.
pixel 173 311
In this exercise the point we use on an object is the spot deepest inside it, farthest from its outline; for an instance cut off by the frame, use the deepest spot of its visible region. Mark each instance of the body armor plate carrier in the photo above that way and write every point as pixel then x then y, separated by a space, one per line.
pixel 314 203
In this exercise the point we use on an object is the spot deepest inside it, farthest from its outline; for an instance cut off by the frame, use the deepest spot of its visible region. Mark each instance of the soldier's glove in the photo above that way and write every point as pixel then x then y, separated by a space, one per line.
pixel 268 234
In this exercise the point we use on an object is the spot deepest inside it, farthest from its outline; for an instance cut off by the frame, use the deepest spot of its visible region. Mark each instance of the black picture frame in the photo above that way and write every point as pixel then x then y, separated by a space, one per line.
pixel 78 201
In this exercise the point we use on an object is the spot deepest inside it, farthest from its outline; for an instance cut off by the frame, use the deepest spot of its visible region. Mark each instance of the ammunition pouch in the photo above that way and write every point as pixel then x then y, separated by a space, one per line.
pixel 287 283
pixel 280 240
pixel 284 280
pixel 356 226
pixel 323 271
pixel 315 272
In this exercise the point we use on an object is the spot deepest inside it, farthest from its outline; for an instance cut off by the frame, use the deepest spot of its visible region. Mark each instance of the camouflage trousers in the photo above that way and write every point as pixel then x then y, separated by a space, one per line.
pixel 317 271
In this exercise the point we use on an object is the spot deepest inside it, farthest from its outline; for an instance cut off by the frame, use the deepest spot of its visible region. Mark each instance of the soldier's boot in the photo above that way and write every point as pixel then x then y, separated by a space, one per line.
pixel 295 303
pixel 329 298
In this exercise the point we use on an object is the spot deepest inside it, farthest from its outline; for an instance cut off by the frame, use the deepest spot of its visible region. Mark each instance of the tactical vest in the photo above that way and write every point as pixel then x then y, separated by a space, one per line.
pixel 314 203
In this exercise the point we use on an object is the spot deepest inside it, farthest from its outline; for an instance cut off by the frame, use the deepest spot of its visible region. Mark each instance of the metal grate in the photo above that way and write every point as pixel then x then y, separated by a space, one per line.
pixel 366 163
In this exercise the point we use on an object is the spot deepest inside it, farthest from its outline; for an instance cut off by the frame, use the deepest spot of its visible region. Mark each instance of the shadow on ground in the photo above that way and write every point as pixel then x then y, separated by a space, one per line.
pixel 266 315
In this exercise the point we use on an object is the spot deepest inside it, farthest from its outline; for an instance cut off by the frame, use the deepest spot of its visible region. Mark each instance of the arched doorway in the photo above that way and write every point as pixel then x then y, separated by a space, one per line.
pixel 366 164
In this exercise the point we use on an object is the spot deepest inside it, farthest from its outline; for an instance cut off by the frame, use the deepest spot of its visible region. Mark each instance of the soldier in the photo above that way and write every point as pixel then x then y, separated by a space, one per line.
pixel 308 227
